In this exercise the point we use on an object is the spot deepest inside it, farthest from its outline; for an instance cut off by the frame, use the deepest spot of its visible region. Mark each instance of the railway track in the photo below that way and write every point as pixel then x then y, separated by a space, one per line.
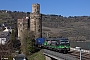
pixel 84 55
pixel 72 53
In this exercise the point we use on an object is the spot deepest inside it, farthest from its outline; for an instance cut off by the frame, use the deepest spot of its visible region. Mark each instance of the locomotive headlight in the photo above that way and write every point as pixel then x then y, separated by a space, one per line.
pixel 65 45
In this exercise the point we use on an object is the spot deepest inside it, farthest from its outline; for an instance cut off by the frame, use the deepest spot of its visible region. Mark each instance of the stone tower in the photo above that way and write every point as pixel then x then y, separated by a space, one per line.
pixel 22 25
pixel 36 20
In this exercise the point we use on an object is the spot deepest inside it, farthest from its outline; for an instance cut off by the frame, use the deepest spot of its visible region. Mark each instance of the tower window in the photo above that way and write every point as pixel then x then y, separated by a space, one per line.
pixel 21 30
pixel 35 10
pixel 38 30
pixel 39 26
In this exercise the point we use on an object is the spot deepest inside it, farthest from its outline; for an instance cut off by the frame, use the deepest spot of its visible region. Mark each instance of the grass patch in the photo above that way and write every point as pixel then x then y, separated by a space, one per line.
pixel 37 56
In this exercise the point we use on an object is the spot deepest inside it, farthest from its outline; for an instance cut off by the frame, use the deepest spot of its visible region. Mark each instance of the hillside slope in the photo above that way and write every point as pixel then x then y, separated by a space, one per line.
pixel 73 27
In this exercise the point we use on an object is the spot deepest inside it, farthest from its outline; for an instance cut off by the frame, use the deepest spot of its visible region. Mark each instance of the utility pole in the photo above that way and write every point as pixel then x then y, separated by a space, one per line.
pixel 80 54
pixel 79 48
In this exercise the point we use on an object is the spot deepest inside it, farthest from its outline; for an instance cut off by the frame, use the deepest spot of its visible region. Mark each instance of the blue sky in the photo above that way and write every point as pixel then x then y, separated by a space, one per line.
pixel 58 7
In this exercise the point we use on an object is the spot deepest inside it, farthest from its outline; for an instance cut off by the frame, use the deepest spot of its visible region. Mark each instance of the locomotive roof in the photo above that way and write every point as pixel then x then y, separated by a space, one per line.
pixel 50 39
pixel 57 38
pixel 61 38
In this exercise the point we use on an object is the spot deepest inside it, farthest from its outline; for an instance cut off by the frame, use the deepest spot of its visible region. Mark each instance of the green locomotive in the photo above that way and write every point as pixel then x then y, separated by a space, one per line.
pixel 57 44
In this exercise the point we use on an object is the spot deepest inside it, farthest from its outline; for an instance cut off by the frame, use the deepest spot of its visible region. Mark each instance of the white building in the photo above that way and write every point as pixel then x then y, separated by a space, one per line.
pixel 4 37
pixel 7 30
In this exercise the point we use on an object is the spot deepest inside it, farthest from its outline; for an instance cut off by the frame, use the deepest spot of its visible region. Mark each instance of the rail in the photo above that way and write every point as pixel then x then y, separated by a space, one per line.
pixel 83 50
pixel 57 55
pixel 74 54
